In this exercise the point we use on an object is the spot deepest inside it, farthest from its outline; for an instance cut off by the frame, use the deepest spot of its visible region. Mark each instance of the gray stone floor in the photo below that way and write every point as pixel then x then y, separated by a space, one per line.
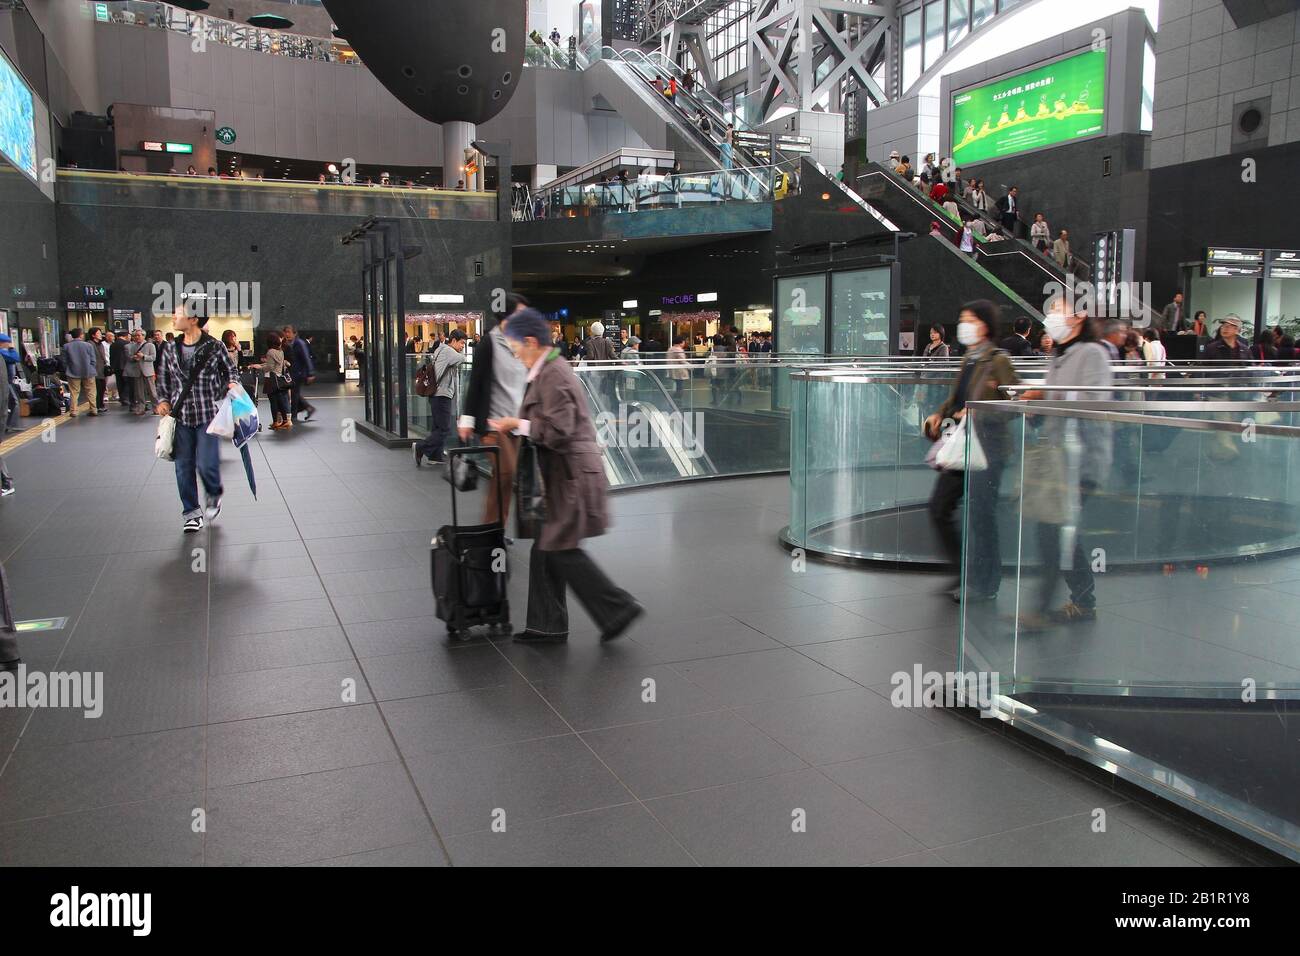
pixel 224 688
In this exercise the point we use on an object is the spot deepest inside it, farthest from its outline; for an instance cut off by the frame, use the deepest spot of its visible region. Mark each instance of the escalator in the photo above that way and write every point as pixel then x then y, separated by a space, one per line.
pixel 1014 262
pixel 905 210
pixel 626 80
pixel 652 440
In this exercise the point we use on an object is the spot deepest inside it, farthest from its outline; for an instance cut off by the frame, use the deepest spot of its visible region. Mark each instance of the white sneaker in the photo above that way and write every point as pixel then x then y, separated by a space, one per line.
pixel 214 508
pixel 193 524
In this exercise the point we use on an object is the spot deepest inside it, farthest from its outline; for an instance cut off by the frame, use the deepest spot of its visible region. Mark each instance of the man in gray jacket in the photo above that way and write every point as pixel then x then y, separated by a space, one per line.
pixel 442 403
pixel 79 367
pixel 140 358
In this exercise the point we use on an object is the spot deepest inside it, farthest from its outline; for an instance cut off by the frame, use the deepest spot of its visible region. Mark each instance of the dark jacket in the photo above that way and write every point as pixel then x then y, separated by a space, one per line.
pixel 555 407
pixel 478 395
pixel 117 354
pixel 300 363
pixel 1016 345
pixel 1216 348
pixel 599 348
pixel 990 370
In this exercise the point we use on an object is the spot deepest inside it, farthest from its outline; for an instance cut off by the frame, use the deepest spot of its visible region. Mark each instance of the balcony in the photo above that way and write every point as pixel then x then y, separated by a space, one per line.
pixel 83 188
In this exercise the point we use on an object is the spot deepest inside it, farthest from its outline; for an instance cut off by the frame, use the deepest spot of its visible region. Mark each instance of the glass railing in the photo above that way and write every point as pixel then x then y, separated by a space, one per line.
pixel 683 190
pixel 859 480
pixel 82 187
pixel 1144 619
pixel 201 28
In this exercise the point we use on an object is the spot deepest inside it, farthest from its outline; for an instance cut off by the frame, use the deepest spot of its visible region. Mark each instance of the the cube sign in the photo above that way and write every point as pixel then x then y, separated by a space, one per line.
pixel 225 135
pixel 101 12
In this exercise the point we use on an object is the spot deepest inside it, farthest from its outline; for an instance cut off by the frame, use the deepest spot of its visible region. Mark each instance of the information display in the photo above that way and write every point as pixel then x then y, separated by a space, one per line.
pixel 1046 106
pixel 17 119
pixel 1284 264
pixel 1224 263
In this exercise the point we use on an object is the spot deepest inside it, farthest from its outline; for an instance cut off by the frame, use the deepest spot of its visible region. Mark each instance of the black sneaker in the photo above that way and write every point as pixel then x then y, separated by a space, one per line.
pixel 415 450
pixel 193 524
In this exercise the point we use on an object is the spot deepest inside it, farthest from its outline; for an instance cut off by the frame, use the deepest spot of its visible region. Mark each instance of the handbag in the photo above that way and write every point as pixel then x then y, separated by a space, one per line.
pixel 530 492
pixel 462 473
pixel 954 455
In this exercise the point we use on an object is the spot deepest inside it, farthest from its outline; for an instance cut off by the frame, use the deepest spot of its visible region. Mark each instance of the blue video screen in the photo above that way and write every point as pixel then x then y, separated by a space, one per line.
pixel 17 120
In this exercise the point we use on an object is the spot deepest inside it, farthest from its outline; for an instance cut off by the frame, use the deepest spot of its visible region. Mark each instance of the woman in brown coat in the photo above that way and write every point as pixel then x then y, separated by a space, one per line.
pixel 554 417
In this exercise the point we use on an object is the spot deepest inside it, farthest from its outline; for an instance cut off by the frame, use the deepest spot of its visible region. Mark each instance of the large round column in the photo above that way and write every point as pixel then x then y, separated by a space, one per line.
pixel 456 138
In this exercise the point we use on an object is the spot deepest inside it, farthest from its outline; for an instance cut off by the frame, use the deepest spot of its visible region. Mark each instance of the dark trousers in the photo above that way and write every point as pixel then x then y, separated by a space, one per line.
pixel 298 402
pixel 439 427
pixel 279 403
pixel 1082 584
pixel 551 572
pixel 126 390
pixel 984 557
pixel 199 453
pixel 99 393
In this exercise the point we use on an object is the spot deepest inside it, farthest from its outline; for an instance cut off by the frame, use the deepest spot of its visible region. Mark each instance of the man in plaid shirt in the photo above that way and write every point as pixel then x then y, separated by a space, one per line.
pixel 194 351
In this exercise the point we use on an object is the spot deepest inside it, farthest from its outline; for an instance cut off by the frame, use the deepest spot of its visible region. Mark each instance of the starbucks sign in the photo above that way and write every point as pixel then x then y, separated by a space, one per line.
pixel 226 135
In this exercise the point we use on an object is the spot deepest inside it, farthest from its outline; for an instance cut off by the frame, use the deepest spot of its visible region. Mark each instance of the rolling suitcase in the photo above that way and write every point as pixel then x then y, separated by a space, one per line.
pixel 469 568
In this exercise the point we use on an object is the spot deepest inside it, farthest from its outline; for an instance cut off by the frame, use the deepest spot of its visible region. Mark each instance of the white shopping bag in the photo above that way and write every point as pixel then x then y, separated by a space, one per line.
pixel 223 423
pixel 164 445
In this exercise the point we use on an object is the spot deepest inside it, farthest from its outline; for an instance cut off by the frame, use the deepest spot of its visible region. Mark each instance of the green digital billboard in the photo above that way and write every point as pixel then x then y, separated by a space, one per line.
pixel 1045 106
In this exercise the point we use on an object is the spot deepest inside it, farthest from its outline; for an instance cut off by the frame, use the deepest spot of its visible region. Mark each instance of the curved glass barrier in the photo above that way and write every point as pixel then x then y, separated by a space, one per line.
pixel 860 485
pixel 1145 619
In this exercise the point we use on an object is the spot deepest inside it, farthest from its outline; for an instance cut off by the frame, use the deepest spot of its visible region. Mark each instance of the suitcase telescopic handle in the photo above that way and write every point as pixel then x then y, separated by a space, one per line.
pixel 453 453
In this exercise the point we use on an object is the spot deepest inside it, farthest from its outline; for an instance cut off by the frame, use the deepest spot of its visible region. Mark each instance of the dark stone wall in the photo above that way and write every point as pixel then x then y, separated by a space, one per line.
pixel 1067 185
pixel 28 242
pixel 1207 203
pixel 298 259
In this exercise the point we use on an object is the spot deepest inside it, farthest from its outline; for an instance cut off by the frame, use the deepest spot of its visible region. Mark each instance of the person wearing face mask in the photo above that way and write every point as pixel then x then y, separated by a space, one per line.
pixel 1069 462
pixel 984 370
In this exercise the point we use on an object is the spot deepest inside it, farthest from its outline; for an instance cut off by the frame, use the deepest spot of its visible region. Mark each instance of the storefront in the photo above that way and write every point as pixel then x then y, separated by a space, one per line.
pixel 351 325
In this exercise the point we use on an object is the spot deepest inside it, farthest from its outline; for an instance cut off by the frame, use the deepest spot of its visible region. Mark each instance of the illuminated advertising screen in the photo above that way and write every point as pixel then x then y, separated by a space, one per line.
pixel 1046 106
pixel 17 120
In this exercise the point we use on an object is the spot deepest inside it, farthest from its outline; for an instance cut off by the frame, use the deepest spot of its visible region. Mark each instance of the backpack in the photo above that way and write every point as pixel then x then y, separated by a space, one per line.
pixel 424 382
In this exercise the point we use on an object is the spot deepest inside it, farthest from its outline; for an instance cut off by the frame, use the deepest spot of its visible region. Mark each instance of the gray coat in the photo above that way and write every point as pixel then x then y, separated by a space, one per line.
pixel 1084 363
pixel 555 408
pixel 79 359
pixel 144 367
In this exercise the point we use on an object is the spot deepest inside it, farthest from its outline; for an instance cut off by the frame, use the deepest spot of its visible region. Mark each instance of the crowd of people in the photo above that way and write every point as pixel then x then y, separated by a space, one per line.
pixel 980 218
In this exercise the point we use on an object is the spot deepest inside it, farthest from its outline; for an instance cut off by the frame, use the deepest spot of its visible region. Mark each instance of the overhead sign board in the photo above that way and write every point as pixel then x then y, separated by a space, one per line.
pixel 1233 263
pixel 1284 263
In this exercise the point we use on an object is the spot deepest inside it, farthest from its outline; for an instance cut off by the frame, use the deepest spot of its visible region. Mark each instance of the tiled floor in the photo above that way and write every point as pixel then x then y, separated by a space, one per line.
pixel 278 691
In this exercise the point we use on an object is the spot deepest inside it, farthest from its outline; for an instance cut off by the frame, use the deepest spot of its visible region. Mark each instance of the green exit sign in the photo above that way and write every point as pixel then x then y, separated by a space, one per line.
pixel 178 147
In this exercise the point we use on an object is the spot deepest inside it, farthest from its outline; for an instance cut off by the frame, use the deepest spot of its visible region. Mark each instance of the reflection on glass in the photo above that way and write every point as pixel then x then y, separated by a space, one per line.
pixel 860 312
pixel 801 314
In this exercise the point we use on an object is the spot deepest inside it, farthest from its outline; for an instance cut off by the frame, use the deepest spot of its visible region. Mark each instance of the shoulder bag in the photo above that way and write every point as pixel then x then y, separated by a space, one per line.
pixel 164 444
